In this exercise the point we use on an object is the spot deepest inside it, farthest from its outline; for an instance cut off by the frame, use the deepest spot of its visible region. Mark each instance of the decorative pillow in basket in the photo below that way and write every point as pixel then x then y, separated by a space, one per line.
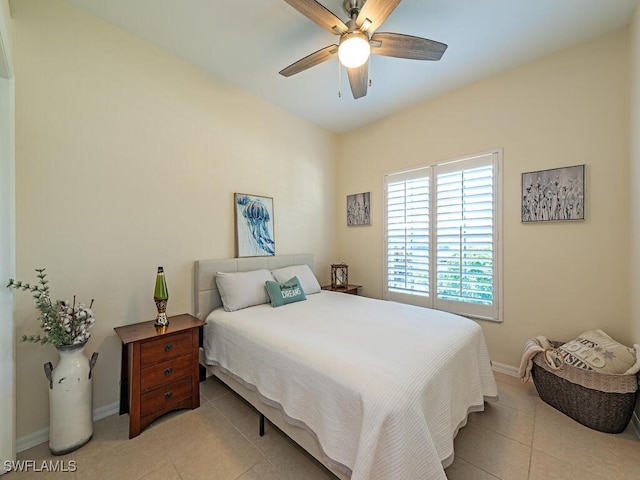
pixel 596 351
pixel 593 379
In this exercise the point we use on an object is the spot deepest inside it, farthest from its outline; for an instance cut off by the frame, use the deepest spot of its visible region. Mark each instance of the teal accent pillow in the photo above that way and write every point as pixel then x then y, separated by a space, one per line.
pixel 282 293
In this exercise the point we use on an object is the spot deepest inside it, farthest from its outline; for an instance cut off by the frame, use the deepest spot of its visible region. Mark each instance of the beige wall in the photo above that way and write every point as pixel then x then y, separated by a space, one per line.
pixel 566 109
pixel 634 284
pixel 128 158
pixel 634 40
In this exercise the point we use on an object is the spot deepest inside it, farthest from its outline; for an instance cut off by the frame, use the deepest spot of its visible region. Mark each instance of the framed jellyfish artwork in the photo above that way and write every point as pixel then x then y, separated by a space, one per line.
pixel 254 226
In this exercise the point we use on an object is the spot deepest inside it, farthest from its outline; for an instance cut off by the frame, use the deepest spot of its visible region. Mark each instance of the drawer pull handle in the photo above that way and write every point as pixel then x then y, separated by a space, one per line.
pixel 168 395
pixel 168 371
pixel 168 347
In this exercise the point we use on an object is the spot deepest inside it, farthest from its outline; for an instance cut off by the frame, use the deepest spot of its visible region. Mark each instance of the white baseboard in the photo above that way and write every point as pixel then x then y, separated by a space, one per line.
pixel 506 369
pixel 102 412
pixel 32 439
pixel 41 436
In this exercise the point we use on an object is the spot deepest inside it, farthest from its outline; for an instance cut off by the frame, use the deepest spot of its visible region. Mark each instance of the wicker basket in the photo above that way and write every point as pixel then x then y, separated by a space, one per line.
pixel 599 401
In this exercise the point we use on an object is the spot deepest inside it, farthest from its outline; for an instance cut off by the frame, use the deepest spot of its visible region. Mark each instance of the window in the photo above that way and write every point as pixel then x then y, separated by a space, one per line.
pixel 442 243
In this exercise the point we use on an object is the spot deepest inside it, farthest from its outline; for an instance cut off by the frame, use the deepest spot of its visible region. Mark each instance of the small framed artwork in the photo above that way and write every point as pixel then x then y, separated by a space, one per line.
pixel 553 195
pixel 255 235
pixel 359 209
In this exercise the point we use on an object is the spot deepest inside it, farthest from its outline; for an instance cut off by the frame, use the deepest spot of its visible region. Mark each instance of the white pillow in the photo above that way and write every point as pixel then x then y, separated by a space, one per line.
pixel 240 290
pixel 308 280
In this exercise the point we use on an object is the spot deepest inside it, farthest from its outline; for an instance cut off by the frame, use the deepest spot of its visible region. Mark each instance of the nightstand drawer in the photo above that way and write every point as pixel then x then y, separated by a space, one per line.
pixel 162 398
pixel 165 348
pixel 155 375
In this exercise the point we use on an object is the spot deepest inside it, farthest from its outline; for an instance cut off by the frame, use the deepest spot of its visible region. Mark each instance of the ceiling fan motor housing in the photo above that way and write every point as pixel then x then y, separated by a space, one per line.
pixel 352 6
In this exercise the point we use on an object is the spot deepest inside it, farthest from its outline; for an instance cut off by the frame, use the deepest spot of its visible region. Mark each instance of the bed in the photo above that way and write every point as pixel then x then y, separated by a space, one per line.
pixel 372 389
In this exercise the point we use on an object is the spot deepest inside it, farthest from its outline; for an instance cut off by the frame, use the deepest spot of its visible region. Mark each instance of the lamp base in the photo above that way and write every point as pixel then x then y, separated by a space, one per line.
pixel 162 320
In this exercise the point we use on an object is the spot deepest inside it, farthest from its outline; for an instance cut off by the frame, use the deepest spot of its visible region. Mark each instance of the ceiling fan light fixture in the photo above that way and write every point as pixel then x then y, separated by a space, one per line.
pixel 354 49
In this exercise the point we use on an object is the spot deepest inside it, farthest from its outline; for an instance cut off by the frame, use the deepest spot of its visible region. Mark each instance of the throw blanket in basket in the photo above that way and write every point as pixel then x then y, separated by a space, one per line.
pixel 532 347
pixel 593 350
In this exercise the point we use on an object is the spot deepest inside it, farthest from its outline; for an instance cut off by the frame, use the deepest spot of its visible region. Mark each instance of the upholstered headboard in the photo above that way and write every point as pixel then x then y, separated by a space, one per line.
pixel 206 295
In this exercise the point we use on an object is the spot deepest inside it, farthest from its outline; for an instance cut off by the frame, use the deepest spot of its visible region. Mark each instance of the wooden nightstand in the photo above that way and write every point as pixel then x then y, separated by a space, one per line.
pixel 159 370
pixel 350 289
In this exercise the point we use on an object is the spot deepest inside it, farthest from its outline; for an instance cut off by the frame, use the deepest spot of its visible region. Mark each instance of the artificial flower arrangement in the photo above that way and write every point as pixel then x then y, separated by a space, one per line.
pixel 63 322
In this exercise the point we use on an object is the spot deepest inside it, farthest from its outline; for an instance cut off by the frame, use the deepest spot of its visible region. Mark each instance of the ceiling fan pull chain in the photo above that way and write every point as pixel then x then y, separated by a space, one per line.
pixel 339 81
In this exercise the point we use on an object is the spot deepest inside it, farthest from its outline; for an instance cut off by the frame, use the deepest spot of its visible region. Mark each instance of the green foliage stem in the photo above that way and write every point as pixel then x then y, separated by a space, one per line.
pixel 63 324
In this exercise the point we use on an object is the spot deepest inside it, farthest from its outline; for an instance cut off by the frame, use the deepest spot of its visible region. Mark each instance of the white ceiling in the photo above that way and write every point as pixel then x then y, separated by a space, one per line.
pixel 248 43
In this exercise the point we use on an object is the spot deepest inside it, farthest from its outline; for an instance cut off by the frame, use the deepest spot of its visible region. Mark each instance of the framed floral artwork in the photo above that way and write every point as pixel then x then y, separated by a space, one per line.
pixel 359 209
pixel 553 195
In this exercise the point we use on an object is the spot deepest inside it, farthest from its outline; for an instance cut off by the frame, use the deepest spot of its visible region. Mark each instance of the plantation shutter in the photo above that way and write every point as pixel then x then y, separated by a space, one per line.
pixel 441 237
pixel 466 237
pixel 408 236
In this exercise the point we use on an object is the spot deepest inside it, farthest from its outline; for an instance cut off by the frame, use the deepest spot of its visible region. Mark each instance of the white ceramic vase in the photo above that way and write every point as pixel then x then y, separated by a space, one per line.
pixel 70 399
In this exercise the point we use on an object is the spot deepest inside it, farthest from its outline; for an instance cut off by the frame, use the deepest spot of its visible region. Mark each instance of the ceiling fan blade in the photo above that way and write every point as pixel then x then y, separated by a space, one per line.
pixel 374 13
pixel 359 79
pixel 406 46
pixel 318 14
pixel 309 61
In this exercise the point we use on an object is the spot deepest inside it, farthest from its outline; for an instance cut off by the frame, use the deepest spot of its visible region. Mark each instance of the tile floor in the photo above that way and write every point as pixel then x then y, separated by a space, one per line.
pixel 520 437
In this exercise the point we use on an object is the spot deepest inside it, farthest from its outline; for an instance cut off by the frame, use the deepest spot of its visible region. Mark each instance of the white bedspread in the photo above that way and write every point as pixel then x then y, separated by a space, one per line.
pixel 384 386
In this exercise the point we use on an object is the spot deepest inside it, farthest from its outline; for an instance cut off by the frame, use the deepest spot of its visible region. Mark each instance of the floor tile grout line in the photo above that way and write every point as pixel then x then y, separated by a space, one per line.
pixel 501 402
pixel 210 400
pixel 471 420
pixel 533 436
pixel 256 446
pixel 168 458
pixel 551 454
pixel 233 425
pixel 479 468
pixel 483 427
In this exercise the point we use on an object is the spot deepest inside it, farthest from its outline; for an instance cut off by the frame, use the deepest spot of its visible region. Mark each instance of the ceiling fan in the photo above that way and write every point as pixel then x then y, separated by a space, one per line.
pixel 358 40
